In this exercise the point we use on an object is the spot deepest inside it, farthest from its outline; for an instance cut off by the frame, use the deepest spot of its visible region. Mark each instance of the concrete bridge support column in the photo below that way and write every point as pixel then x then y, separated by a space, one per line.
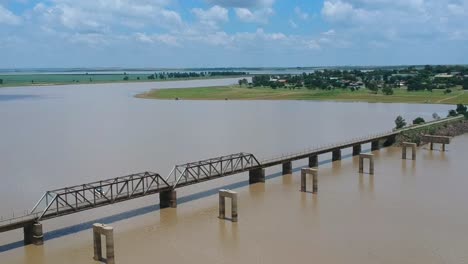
pixel 407 145
pixel 28 234
pixel 256 175
pixel 314 173
pixel 107 231
pixel 371 163
pixel 223 194
pixel 287 168
pixel 33 234
pixel 336 155
pixel 313 161
pixel 375 145
pixel 168 199
pixel 357 150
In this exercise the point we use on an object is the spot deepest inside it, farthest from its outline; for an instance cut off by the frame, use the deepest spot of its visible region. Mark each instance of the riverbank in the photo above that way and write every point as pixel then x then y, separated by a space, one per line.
pixel 263 93
pixel 20 80
pixel 450 129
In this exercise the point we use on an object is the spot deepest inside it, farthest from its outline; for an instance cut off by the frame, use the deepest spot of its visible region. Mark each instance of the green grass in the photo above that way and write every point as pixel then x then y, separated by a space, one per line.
pixel 57 79
pixel 263 93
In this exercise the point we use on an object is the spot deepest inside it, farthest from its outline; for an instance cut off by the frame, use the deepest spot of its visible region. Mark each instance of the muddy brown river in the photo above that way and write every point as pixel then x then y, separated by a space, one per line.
pixel 408 212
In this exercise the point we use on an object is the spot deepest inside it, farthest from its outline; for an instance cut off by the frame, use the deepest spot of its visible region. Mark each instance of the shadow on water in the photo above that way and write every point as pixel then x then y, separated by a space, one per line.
pixel 147 209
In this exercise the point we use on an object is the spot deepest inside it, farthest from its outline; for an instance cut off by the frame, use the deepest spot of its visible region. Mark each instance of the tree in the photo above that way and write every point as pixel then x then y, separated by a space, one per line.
pixel 461 109
pixel 1 81
pixel 372 86
pixel 125 78
pixel 387 90
pixel 452 113
pixel 400 122
pixel 243 82
pixel 465 83
pixel 419 121
pixel 435 116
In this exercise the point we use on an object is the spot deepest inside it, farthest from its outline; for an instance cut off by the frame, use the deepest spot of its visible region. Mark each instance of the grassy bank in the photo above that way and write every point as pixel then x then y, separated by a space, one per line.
pixel 243 93
pixel 62 79
pixel 451 128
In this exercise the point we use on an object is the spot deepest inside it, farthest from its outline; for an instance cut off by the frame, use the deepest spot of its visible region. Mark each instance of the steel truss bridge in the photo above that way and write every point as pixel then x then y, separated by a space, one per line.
pixel 69 200
pixel 82 197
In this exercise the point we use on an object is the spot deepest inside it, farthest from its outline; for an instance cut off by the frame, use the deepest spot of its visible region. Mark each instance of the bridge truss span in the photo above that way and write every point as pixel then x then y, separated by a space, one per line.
pixel 86 196
pixel 194 172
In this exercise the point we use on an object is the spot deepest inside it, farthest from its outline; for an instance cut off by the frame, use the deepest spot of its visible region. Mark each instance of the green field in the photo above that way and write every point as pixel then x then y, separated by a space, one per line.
pixel 363 95
pixel 56 79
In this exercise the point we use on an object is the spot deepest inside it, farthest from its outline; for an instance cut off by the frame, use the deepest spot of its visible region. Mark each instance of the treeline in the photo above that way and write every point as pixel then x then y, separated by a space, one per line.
pixel 414 79
pixel 178 75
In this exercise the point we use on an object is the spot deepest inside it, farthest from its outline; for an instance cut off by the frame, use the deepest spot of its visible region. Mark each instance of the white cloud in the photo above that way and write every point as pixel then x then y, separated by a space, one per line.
pixel 7 17
pixel 300 14
pixel 292 23
pixel 105 15
pixel 167 39
pixel 257 16
pixel 243 3
pixel 213 16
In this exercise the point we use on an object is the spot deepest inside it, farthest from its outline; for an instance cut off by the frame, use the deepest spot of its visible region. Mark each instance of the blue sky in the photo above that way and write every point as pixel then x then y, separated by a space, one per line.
pixel 231 33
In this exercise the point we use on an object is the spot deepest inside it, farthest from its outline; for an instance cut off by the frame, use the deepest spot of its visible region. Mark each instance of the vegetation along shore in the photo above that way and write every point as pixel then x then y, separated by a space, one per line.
pixel 429 84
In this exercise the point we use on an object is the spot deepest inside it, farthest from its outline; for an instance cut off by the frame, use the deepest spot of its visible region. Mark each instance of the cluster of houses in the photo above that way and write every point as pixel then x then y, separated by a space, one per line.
pixel 358 81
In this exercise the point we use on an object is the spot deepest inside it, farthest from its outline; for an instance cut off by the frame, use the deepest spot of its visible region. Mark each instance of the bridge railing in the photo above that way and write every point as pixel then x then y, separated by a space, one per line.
pixel 291 155
pixel 24 216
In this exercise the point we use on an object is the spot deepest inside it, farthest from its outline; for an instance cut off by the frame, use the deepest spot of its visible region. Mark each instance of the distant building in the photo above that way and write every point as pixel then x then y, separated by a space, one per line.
pixel 443 75
pixel 404 75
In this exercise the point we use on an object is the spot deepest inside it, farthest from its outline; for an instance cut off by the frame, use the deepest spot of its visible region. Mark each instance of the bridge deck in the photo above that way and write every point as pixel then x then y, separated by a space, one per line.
pixel 326 149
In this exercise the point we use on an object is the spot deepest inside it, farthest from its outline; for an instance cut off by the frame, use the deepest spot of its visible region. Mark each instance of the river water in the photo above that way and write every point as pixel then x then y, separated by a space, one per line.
pixel 57 136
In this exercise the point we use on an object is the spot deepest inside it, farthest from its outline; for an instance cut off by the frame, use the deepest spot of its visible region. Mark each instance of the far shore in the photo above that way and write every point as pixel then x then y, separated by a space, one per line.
pixel 55 81
pixel 236 92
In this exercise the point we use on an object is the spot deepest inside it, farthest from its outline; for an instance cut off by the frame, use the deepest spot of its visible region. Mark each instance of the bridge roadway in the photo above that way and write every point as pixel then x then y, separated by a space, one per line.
pixel 82 197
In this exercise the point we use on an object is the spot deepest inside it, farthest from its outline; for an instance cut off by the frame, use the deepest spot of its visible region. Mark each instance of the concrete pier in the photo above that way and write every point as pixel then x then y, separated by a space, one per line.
pixel 97 242
pixel 28 234
pixel 223 194
pixel 336 155
pixel 370 157
pixel 313 161
pixel 168 199
pixel 37 234
pixel 375 145
pixel 357 150
pixel 256 175
pixel 314 173
pixel 287 168
pixel 407 145
pixel 108 232
pixel 33 234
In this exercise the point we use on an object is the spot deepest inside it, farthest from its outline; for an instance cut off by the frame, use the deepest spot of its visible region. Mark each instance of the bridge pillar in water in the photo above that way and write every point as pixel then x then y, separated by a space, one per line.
pixel 314 173
pixel 223 194
pixel 371 163
pixel 375 145
pixel 313 161
pixel 336 155
pixel 33 234
pixel 168 199
pixel 407 145
pixel 108 232
pixel 287 168
pixel 357 150
pixel 256 175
